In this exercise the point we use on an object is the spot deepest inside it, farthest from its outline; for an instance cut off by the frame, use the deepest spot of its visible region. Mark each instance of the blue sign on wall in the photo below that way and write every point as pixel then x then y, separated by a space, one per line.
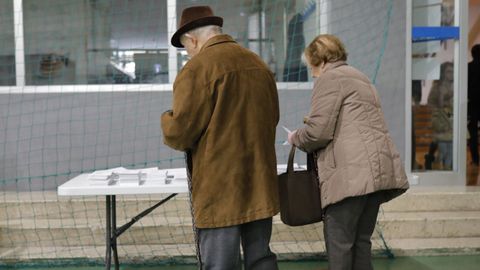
pixel 424 33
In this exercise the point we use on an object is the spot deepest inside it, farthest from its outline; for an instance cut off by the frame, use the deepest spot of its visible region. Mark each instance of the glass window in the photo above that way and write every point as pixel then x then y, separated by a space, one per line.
pixel 433 12
pixel 95 41
pixel 7 43
pixel 273 29
pixel 433 90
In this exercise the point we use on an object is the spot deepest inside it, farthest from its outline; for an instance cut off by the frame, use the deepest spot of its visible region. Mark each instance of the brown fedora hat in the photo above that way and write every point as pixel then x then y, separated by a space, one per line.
pixel 194 17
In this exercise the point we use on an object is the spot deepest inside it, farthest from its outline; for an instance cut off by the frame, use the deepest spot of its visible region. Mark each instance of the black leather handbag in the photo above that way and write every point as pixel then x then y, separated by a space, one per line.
pixel 300 202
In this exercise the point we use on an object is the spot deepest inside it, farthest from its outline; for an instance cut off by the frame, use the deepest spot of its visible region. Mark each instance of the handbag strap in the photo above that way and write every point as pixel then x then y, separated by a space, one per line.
pixel 291 156
pixel 311 161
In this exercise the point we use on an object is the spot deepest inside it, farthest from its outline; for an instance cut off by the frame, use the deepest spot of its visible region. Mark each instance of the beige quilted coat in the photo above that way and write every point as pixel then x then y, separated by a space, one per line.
pixel 346 129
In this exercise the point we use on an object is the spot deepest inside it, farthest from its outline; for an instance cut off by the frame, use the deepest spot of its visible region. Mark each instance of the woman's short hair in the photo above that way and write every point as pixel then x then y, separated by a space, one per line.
pixel 325 49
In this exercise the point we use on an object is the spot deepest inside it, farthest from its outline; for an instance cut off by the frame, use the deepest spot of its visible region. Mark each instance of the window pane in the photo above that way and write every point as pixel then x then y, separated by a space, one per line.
pixel 433 12
pixel 7 43
pixel 432 90
pixel 95 42
pixel 273 29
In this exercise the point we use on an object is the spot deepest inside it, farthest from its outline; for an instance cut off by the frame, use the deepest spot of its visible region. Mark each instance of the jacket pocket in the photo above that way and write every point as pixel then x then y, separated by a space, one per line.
pixel 330 156
pixel 323 165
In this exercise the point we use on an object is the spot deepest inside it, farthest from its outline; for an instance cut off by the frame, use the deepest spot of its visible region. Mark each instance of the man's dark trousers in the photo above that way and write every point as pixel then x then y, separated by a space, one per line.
pixel 220 247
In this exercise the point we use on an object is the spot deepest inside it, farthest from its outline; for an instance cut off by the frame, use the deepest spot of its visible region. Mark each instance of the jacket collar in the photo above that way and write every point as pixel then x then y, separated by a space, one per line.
pixel 217 40
pixel 329 66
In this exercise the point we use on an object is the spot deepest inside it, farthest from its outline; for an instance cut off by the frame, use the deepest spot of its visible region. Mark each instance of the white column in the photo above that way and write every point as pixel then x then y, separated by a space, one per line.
pixel 408 88
pixel 322 11
pixel 460 92
pixel 19 42
pixel 172 51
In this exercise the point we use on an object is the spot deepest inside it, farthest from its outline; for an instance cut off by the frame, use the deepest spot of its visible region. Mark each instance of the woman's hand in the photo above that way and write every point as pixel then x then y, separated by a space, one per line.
pixel 290 136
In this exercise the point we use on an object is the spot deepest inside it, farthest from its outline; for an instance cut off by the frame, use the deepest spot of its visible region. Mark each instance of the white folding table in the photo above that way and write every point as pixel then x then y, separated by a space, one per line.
pixel 82 186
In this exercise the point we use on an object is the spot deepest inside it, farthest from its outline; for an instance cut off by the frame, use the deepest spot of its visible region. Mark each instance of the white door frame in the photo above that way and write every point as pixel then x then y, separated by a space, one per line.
pixel 458 175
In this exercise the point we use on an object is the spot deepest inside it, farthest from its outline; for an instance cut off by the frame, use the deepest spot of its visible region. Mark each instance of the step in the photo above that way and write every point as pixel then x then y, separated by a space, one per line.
pixel 171 230
pixel 47 205
pixel 140 252
pixel 435 246
pixel 84 232
pixel 185 253
pixel 424 221
pixel 418 199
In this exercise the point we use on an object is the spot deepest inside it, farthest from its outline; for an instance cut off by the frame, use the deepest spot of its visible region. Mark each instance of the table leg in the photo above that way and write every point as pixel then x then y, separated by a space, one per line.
pixel 108 247
pixel 114 233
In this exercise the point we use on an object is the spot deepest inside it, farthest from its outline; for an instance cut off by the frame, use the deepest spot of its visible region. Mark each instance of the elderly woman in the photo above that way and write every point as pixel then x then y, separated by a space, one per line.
pixel 359 167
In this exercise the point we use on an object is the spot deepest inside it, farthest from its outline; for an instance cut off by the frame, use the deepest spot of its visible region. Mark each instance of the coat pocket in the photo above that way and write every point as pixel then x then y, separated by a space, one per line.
pixel 326 162
pixel 330 156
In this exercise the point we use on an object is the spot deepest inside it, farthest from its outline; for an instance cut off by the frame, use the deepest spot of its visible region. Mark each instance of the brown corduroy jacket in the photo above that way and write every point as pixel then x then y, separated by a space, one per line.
pixel 346 128
pixel 225 111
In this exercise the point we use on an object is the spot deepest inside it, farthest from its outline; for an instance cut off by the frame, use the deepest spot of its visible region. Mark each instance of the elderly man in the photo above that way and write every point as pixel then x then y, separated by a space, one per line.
pixel 225 112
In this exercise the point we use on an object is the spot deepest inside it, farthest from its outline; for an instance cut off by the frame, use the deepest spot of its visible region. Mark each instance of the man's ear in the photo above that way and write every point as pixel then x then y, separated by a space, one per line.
pixel 194 42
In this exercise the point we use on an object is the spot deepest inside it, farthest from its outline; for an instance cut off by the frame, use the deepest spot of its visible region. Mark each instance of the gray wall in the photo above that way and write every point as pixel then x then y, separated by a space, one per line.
pixel 391 76
pixel 361 25
pixel 66 134
pixel 49 138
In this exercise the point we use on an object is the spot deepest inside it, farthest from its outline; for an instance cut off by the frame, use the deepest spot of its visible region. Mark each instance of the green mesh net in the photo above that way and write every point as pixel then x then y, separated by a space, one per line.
pixel 83 84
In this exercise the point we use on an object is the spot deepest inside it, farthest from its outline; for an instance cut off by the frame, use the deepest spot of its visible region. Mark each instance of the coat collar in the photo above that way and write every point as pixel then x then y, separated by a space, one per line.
pixel 217 40
pixel 329 66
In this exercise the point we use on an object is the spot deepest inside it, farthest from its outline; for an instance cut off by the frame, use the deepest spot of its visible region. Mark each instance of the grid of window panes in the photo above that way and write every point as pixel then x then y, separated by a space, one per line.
pixel 95 42
pixel 272 29
pixel 68 42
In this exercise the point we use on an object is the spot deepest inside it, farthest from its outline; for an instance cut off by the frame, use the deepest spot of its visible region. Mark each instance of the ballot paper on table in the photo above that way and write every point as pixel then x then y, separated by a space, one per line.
pixel 130 177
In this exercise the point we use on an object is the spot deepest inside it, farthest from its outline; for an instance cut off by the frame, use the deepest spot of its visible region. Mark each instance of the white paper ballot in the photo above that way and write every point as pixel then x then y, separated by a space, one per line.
pixel 286 129
pixel 288 132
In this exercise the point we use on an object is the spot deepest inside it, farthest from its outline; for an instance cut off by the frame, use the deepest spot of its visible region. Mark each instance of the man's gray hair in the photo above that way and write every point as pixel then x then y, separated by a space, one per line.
pixel 205 31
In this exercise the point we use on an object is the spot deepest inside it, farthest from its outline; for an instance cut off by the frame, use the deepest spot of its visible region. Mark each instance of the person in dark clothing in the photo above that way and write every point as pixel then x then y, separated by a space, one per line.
pixel 430 156
pixel 416 98
pixel 474 101
pixel 295 70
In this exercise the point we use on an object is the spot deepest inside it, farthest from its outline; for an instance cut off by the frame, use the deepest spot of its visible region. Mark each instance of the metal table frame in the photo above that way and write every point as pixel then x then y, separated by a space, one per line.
pixel 112 232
